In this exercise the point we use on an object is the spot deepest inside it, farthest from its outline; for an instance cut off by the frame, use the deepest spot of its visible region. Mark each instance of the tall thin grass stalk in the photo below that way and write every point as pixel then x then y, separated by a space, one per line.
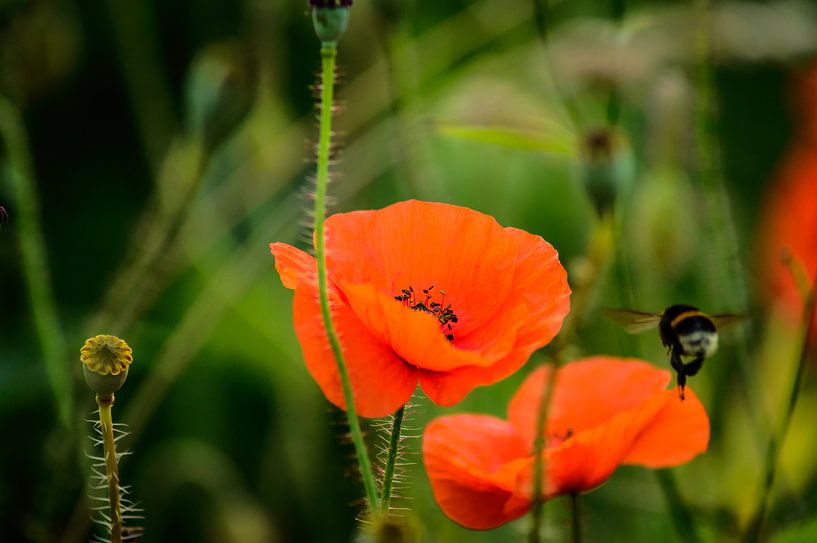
pixel 598 255
pixel 34 259
pixel 328 55
pixel 682 517
pixel 728 269
pixel 754 530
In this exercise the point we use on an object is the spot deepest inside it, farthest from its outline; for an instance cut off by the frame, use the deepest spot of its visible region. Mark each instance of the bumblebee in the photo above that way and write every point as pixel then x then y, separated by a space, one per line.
pixel 689 335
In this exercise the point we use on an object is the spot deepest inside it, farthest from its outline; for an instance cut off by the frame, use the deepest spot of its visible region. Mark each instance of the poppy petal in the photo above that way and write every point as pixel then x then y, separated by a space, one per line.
pixel 540 283
pixel 381 381
pixel 586 459
pixel 461 251
pixel 678 433
pixel 448 388
pixel 588 392
pixel 291 263
pixel 472 482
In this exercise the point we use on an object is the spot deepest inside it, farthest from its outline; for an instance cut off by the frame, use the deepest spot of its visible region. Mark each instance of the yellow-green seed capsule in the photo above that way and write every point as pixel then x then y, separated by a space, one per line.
pixel 105 362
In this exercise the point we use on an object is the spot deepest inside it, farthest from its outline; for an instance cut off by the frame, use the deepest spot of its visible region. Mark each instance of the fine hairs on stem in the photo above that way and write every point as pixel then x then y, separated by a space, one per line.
pixel 105 364
pixel 392 456
pixel 328 55
pixel 393 431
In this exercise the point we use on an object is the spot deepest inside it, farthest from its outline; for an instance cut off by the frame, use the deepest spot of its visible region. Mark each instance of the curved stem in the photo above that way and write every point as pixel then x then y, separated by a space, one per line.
pixel 328 54
pixel 34 260
pixel 391 460
pixel 111 465
pixel 755 529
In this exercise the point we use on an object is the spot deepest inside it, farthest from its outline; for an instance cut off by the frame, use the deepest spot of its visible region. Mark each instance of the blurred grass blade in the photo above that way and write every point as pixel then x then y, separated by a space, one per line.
pixel 18 170
pixel 512 138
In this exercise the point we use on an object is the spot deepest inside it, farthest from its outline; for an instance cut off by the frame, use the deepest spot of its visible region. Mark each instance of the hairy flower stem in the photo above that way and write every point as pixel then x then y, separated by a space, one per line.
pixel 388 474
pixel 26 217
pixel 755 527
pixel 576 515
pixel 328 54
pixel 597 259
pixel 111 465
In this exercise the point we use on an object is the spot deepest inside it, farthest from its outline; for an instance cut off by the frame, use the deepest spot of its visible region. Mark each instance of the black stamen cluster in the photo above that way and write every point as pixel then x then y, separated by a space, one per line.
pixel 445 315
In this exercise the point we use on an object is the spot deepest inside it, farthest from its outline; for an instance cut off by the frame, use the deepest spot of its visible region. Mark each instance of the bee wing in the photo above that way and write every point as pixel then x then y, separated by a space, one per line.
pixel 726 319
pixel 634 322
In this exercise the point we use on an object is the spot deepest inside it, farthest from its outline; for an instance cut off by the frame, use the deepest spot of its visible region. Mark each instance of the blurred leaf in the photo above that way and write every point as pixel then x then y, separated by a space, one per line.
pixel 513 138
pixel 800 533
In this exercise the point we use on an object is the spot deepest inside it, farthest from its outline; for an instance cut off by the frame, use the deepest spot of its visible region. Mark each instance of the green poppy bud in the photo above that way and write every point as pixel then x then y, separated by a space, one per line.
pixel 330 19
pixel 606 167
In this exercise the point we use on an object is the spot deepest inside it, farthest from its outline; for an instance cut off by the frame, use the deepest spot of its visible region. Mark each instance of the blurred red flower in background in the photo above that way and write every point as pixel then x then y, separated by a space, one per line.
pixel 425 292
pixel 790 214
pixel 604 412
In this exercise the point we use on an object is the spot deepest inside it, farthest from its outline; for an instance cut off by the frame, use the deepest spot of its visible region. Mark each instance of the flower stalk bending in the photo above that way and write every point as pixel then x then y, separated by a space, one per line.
pixel 328 54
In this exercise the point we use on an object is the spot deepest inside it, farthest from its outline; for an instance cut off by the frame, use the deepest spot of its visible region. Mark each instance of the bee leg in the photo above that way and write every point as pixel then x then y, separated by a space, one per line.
pixel 682 382
pixel 678 366
pixel 694 367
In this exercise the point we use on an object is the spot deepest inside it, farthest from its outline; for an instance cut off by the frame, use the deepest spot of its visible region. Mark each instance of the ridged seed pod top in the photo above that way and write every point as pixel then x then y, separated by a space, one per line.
pixel 106 355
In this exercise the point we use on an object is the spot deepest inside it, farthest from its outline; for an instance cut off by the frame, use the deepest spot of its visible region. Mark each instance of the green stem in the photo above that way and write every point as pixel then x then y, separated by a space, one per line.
pixel 391 460
pixel 328 54
pixel 679 511
pixel 598 255
pixel 26 216
pixel 111 465
pixel 575 513
pixel 538 461
pixel 755 529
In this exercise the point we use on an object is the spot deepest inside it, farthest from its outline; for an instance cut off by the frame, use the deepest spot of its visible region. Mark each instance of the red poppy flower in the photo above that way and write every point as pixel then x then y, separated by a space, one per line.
pixel 790 219
pixel 424 292
pixel 604 412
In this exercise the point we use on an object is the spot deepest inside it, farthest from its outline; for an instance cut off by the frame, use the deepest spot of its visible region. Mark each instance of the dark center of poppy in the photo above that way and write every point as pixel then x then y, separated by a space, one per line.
pixel 427 304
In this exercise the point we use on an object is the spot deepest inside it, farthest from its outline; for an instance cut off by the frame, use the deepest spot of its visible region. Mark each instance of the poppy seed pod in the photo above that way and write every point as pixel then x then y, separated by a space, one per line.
pixel 606 167
pixel 105 362
pixel 330 19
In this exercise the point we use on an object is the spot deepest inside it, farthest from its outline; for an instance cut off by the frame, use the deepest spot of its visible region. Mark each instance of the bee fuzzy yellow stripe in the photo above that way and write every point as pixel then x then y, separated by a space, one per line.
pixel 686 315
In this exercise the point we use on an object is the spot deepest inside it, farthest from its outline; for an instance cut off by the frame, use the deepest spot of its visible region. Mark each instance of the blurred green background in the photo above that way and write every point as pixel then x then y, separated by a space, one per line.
pixel 167 146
